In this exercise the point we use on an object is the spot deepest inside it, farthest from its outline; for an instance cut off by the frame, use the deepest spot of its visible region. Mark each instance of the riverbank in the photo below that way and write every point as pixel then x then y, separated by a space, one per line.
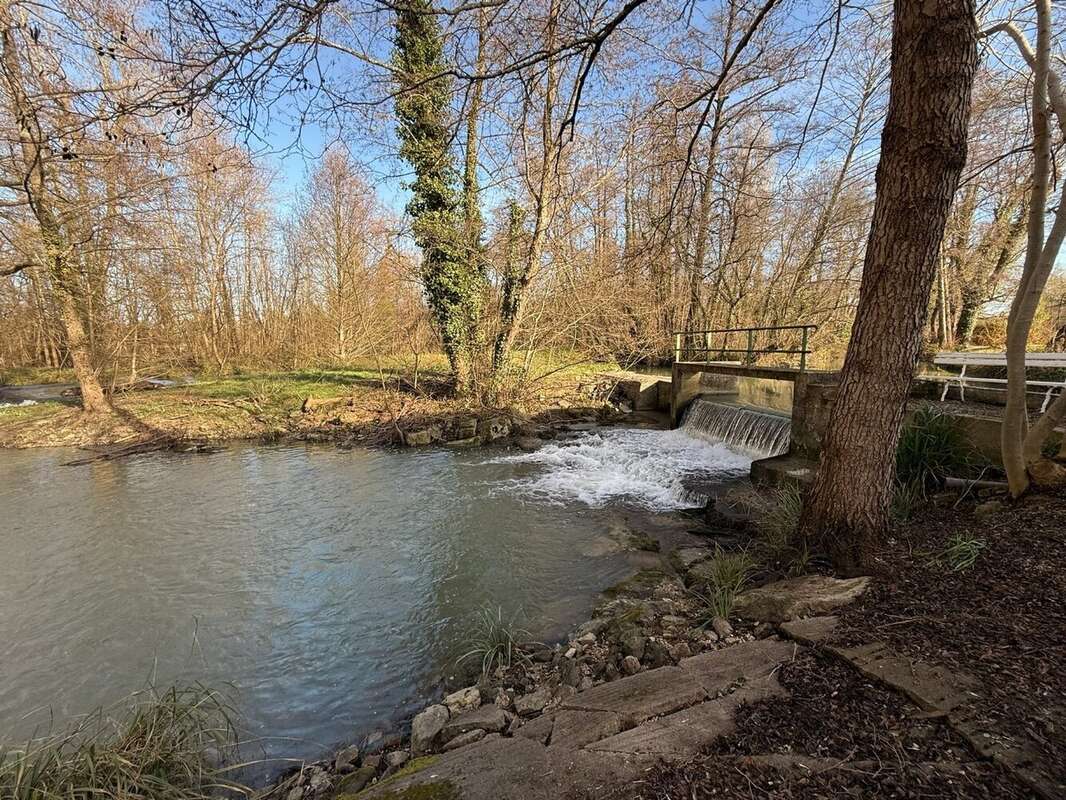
pixel 359 406
pixel 937 677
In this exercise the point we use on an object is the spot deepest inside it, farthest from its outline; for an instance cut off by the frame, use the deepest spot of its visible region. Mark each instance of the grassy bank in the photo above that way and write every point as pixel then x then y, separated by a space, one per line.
pixel 363 403
pixel 166 745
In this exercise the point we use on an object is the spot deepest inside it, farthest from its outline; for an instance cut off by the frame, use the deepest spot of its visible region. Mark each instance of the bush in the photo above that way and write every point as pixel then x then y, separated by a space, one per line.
pixel 932 446
pixel 164 746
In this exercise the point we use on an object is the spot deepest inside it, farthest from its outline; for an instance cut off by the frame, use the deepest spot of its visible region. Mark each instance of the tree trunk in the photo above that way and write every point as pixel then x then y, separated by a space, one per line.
pixel 93 398
pixel 923 151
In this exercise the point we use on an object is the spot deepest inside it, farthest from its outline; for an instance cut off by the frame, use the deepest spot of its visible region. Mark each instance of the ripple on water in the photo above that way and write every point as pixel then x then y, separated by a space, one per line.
pixel 330 587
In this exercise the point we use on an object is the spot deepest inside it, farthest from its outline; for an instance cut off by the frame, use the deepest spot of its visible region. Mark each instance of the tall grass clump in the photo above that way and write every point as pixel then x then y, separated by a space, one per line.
pixel 725 576
pixel 775 515
pixel 932 446
pixel 495 640
pixel 168 745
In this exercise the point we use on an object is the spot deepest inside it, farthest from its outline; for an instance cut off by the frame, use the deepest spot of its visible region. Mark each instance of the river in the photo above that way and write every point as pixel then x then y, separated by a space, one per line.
pixel 330 588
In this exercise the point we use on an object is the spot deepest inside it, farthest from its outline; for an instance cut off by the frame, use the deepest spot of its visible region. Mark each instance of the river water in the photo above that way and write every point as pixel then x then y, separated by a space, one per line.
pixel 331 588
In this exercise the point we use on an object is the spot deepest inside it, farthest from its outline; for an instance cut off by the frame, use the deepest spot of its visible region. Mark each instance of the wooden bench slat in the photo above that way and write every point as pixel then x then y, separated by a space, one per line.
pixel 1000 359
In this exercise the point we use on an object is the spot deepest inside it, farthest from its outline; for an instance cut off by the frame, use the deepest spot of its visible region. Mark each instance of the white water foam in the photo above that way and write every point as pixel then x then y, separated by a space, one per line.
pixel 19 405
pixel 646 468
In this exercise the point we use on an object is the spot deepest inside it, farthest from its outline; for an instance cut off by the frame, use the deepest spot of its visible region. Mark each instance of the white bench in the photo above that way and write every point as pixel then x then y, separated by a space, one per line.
pixel 964 360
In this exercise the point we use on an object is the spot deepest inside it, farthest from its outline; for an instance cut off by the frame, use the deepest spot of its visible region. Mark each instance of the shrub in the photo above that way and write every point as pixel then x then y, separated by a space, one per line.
pixel 931 446
pixel 164 746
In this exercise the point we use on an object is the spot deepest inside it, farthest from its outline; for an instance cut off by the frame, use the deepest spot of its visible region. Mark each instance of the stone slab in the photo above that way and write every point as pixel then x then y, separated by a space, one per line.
pixel 812 631
pixel 489 718
pixel 932 688
pixel 492 769
pixel 638 697
pixel 717 670
pixel 537 729
pixel 806 596
pixel 685 733
pixel 575 729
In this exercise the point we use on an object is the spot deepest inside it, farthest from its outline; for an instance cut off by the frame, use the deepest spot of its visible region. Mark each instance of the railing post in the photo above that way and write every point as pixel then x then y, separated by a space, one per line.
pixel 707 347
pixel 677 347
pixel 751 347
pixel 803 351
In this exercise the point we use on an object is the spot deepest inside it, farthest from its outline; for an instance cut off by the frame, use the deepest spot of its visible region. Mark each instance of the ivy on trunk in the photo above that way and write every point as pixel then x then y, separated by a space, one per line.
pixel 451 276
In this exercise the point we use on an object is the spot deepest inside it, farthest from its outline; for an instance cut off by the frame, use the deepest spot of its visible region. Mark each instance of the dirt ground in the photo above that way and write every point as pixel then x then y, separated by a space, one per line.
pixel 999 621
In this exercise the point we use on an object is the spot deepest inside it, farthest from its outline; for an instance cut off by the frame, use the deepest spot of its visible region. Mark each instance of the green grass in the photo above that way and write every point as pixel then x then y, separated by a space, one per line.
pixel 27 413
pixel 24 375
pixel 494 639
pixel 962 552
pixel 162 745
pixel 726 575
pixel 932 446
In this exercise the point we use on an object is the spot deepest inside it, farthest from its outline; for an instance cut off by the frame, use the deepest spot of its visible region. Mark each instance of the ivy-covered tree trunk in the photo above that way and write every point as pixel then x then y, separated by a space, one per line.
pixel 452 279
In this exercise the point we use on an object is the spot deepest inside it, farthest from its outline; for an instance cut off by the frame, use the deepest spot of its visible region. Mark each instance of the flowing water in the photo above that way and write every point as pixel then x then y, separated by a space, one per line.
pixel 330 587
pixel 748 430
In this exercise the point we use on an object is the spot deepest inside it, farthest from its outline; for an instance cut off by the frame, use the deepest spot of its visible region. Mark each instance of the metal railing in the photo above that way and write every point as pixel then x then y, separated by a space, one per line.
pixel 750 352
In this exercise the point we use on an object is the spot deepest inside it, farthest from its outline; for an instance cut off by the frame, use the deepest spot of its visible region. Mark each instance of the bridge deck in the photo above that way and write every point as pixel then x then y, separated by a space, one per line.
pixel 741 370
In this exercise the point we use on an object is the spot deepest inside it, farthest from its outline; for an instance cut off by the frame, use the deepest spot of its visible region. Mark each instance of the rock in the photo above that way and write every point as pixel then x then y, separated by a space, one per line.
pixel 489 718
pixel 809 631
pixel 1047 474
pixel 641 541
pixel 295 793
pixel 722 627
pixel 463 740
pixel 630 665
pixel 586 683
pixel 656 653
pixel 680 650
pixel 417 438
pixel 587 638
pixel 674 621
pixel 710 637
pixel 427 727
pixel 397 758
pixel 540 653
pixel 806 596
pixel 987 508
pixel 357 781
pixel 570 671
pixel 594 626
pixel 529 704
pixel 503 700
pixel 463 700
pixel 346 760
pixel 374 762
pixel 469 441
pixel 688 557
pixel 498 428
pixel 466 428
pixel 513 725
pixel 528 443
pixel 318 780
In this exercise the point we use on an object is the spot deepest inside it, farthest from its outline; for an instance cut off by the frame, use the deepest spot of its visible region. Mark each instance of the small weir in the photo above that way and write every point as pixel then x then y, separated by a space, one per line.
pixel 759 433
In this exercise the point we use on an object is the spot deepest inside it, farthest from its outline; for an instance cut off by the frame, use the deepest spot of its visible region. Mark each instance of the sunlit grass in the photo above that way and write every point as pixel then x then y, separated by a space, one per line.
pixel 165 745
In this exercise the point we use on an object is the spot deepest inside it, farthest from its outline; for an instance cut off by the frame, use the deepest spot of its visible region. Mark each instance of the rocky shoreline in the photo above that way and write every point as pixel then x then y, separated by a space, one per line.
pixel 652 619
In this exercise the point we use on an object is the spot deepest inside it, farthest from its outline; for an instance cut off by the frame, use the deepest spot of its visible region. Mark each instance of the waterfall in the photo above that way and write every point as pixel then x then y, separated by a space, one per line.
pixel 759 433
